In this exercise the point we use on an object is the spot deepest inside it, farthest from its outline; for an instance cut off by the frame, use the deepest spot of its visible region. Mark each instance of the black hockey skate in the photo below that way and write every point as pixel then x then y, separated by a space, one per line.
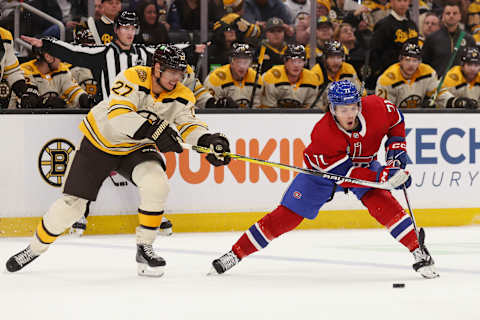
pixel 79 227
pixel 21 259
pixel 165 228
pixel 148 263
pixel 424 263
pixel 224 263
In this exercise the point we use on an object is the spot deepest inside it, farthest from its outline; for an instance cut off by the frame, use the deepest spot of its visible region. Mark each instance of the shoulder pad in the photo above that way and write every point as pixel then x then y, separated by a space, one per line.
pixel 5 34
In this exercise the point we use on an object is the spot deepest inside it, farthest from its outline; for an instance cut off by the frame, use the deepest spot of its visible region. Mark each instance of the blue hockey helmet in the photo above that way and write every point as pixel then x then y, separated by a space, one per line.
pixel 343 92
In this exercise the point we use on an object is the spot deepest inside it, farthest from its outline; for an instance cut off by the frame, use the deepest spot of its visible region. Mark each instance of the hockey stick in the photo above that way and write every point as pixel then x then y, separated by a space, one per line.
pixel 331 176
pixel 420 233
pixel 450 62
pixel 261 55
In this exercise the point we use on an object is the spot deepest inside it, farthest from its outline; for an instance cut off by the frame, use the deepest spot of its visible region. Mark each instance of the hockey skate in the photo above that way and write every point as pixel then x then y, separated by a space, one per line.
pixel 21 259
pixel 148 263
pixel 79 227
pixel 224 263
pixel 165 228
pixel 424 263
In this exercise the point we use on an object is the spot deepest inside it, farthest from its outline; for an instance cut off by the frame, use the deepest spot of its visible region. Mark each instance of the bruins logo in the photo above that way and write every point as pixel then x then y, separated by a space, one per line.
pixel 53 161
pixel 413 101
pixel 276 73
pixel 221 75
pixel 106 38
pixel 390 75
pixel 90 86
pixel 242 25
pixel 142 75
pixel 453 76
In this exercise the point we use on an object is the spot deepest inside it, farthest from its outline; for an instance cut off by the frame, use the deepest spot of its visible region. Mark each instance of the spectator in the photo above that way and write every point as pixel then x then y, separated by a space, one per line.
pixel 324 34
pixel 55 84
pixel 377 10
pixel 245 31
pixel 297 7
pixel 463 81
pixel 333 68
pixel 98 10
pixel 275 44
pixel 290 85
pixel 410 83
pixel 431 23
pixel 389 35
pixel 152 31
pixel 302 28
pixel 223 39
pixel 259 11
pixel 103 29
pixel 185 14
pixel 357 50
pixel 438 47
pixel 234 85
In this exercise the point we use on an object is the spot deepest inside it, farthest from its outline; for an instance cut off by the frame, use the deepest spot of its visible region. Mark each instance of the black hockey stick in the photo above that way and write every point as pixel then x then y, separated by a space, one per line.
pixel 420 233
pixel 261 55
pixel 331 176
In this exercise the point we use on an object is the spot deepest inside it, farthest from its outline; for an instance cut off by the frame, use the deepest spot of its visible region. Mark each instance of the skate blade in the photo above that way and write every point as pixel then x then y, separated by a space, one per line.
pixel 213 272
pixel 165 232
pixel 146 271
pixel 428 272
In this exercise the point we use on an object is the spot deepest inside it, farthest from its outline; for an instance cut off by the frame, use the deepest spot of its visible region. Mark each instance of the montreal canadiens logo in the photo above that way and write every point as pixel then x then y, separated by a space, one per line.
pixel 297 195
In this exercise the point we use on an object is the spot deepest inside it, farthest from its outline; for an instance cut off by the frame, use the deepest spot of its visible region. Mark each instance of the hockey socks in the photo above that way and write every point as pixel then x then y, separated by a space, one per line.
pixel 259 235
pixel 387 211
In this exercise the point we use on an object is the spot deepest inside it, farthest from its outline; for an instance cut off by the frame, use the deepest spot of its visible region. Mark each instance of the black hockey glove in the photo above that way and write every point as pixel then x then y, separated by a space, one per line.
pixel 166 139
pixel 86 101
pixel 219 144
pixel 427 103
pixel 29 98
pixel 462 102
pixel 226 102
pixel 53 103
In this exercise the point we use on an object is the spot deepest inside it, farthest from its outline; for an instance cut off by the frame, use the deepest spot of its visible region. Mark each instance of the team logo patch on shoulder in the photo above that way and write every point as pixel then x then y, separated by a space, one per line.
pixel 242 25
pixel 453 76
pixel 53 161
pixel 221 75
pixel 142 75
pixel 297 195
pixel 390 75
pixel 276 74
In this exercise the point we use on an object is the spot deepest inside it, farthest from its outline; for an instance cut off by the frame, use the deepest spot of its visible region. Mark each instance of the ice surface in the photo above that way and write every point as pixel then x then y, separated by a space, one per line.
pixel 321 274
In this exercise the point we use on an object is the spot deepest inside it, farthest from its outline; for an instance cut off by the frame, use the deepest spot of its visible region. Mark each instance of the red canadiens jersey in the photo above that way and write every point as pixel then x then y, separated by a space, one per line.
pixel 336 150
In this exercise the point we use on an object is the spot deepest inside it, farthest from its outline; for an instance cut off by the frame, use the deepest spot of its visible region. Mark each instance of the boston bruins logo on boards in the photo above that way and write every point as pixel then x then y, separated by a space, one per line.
pixel 53 161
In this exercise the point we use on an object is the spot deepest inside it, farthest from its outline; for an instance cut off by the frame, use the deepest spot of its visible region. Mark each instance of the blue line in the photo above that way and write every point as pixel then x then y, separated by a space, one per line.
pixel 276 258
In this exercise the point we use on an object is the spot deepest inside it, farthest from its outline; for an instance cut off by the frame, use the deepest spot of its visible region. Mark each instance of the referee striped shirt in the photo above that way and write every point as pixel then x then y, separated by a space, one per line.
pixel 105 61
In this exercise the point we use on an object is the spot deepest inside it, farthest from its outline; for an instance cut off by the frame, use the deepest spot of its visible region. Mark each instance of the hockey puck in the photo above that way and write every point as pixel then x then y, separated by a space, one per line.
pixel 399 285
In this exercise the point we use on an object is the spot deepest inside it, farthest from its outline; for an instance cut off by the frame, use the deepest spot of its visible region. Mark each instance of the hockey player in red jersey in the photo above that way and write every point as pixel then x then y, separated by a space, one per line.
pixel 345 142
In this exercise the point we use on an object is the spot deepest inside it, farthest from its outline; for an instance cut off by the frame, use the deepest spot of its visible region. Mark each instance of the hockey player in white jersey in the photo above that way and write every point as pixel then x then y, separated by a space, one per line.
pixel 122 133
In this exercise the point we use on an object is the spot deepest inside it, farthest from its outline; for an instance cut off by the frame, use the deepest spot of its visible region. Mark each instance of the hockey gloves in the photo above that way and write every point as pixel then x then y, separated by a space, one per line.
pixel 225 102
pixel 166 139
pixel 462 102
pixel 29 98
pixel 396 152
pixel 395 177
pixel 219 144
pixel 53 103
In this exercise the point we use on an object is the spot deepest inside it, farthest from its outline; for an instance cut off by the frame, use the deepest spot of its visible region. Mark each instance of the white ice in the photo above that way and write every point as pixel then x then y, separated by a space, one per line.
pixel 321 274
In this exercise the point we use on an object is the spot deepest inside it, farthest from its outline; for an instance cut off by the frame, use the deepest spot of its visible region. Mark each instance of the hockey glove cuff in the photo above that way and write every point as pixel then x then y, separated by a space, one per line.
pixel 396 152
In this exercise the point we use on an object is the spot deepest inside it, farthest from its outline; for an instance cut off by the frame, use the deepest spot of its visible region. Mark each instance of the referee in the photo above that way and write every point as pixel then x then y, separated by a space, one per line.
pixel 105 61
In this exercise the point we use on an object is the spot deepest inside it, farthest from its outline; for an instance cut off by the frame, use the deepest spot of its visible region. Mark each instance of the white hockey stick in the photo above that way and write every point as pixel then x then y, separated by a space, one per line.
pixel 331 176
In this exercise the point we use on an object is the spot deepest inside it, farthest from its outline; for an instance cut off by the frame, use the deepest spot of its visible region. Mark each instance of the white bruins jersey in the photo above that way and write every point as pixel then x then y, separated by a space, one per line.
pixel 84 77
pixel 199 91
pixel 9 66
pixel 112 123
pixel 279 92
pixel 346 72
pixel 458 86
pixel 58 83
pixel 221 84
pixel 409 93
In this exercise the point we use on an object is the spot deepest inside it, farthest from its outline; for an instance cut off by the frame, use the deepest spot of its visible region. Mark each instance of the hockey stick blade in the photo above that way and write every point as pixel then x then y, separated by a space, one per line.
pixel 331 176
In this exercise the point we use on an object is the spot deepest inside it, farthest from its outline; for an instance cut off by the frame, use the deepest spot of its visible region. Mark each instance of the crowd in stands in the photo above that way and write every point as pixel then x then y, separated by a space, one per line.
pixel 258 51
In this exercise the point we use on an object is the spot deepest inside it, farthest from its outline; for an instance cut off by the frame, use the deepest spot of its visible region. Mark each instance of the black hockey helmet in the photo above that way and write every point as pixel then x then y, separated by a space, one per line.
pixel 126 18
pixel 411 49
pixel 82 35
pixel 294 51
pixel 241 50
pixel 334 48
pixel 170 57
pixel 470 55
